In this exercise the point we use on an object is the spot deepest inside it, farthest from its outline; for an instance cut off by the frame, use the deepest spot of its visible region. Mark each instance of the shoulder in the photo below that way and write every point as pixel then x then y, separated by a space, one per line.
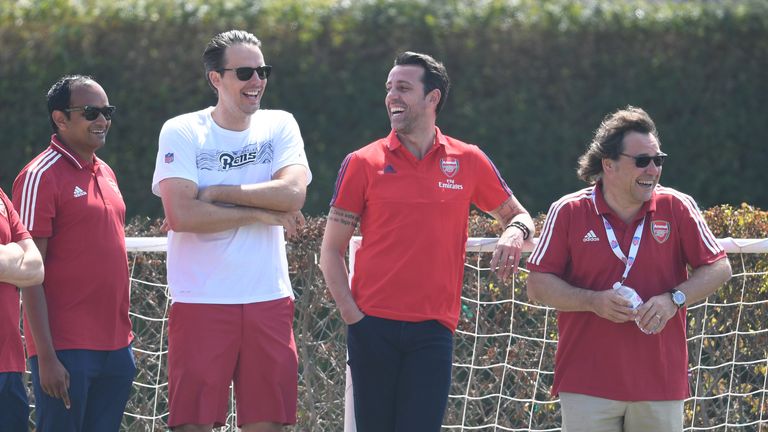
pixel 371 152
pixel 581 199
pixel 278 117
pixel 189 121
pixel 458 146
pixel 674 199
pixel 46 164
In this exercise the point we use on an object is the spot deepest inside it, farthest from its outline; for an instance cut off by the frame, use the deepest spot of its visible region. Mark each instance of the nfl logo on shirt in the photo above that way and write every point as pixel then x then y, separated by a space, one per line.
pixel 168 158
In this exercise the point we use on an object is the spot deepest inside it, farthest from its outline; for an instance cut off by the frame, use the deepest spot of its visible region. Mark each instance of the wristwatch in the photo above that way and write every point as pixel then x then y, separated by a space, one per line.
pixel 678 297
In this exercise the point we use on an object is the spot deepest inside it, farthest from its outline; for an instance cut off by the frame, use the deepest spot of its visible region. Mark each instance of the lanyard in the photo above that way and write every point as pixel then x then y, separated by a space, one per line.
pixel 628 261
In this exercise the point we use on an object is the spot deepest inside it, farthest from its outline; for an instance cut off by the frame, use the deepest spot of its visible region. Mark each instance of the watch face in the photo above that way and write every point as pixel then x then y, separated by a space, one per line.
pixel 678 297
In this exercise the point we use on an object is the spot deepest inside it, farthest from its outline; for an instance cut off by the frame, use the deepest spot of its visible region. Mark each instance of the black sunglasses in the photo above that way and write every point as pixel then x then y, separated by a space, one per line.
pixel 245 73
pixel 91 113
pixel 643 161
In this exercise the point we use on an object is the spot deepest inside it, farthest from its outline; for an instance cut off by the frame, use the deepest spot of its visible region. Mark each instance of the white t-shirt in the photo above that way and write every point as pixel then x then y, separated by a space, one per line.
pixel 242 265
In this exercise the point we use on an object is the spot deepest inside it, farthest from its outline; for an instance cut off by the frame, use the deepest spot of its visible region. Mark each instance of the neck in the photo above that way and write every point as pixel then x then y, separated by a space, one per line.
pixel 418 142
pixel 86 153
pixel 230 121
pixel 624 208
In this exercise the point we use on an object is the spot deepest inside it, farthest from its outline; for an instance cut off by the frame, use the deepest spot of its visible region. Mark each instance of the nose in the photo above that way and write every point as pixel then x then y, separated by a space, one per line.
pixel 652 168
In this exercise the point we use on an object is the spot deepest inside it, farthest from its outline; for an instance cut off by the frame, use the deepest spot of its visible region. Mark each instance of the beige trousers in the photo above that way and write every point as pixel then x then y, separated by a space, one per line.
pixel 582 413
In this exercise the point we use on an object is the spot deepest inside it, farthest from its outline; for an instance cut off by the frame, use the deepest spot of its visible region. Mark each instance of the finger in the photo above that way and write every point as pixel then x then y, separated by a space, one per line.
pixel 495 260
pixel 49 390
pixel 65 392
pixel 65 399
pixel 516 261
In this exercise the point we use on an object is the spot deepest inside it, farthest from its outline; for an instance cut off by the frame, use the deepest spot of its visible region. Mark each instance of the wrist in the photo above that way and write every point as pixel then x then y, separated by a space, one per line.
pixel 520 226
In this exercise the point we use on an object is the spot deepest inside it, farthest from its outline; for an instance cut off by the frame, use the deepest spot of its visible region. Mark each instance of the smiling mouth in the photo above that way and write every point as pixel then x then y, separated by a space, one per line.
pixel 396 111
pixel 252 94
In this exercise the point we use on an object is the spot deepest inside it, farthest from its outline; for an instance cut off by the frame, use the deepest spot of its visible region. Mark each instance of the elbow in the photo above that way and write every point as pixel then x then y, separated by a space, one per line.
pixel 296 198
pixel 727 270
pixel 36 275
pixel 532 286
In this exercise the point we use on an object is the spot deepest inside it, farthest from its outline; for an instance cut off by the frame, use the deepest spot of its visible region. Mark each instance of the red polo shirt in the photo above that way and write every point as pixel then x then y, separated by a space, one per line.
pixel 11 348
pixel 601 358
pixel 78 207
pixel 414 218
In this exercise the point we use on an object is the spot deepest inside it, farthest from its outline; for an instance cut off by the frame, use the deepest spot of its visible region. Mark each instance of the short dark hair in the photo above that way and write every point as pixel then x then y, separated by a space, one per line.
pixel 435 75
pixel 215 51
pixel 608 142
pixel 60 95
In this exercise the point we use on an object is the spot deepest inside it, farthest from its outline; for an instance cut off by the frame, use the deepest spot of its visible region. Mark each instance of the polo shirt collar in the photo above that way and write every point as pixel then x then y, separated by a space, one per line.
pixel 70 155
pixel 393 142
pixel 603 208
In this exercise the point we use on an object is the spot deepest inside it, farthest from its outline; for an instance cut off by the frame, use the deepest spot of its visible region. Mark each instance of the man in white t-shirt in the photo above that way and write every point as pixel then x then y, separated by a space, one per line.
pixel 232 178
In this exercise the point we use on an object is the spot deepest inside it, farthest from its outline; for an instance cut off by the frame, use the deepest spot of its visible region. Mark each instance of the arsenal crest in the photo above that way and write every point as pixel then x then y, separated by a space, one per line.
pixel 660 230
pixel 449 166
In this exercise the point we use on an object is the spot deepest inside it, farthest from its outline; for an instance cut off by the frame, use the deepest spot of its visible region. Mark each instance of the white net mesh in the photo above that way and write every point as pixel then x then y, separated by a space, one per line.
pixel 504 348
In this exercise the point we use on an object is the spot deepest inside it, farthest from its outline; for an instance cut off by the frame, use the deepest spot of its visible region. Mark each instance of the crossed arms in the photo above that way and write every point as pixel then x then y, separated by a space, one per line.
pixel 223 207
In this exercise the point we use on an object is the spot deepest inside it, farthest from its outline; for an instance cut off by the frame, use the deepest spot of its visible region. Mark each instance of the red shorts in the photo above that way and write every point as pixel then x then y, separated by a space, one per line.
pixel 212 345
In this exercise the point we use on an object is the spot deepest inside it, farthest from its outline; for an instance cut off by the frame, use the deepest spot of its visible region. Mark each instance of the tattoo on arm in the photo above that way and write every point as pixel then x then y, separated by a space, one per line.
pixel 343 217
pixel 508 210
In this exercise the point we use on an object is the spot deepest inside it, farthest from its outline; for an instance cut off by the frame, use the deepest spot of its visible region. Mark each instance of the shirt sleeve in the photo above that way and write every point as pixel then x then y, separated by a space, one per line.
pixel 700 246
pixel 34 197
pixel 18 230
pixel 289 147
pixel 490 190
pixel 551 254
pixel 176 155
pixel 351 184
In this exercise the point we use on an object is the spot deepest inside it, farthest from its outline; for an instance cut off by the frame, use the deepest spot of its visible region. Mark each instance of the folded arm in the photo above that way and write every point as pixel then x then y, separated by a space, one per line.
pixel 285 192
pixel 21 264
pixel 186 212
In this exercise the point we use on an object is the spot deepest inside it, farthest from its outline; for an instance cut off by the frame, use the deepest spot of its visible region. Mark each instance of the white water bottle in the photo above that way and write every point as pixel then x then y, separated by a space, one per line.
pixel 629 294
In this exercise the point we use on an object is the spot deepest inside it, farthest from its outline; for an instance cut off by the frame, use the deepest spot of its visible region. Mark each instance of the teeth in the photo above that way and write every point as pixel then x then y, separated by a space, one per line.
pixel 252 93
pixel 397 110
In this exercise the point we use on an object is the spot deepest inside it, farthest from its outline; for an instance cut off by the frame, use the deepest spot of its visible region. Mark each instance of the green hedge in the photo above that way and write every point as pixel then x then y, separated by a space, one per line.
pixel 532 79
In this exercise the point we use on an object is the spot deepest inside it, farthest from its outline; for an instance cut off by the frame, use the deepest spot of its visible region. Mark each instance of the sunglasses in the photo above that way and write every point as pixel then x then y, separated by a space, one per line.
pixel 245 73
pixel 91 113
pixel 643 161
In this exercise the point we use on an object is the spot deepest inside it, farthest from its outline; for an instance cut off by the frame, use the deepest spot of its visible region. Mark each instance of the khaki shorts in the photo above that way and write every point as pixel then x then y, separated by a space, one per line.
pixel 582 413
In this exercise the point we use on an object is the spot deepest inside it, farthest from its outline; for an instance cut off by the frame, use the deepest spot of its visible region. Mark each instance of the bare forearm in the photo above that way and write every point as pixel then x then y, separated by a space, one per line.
pixel 280 195
pixel 705 280
pixel 36 309
pixel 552 291
pixel 20 267
pixel 512 211
pixel 339 227
pixel 201 217
pixel 336 277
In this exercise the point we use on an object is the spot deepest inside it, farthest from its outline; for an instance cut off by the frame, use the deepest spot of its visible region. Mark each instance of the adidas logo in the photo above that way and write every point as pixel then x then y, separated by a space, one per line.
pixel 78 192
pixel 591 237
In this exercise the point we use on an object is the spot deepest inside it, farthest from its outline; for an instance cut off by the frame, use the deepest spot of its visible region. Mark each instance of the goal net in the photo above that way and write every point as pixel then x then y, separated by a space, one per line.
pixel 504 347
